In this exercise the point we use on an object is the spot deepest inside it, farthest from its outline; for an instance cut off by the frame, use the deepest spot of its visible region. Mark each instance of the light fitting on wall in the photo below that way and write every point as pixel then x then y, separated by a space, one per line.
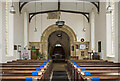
pixel 59 23
pixel 84 29
pixel 12 9
pixel 35 30
pixel 109 8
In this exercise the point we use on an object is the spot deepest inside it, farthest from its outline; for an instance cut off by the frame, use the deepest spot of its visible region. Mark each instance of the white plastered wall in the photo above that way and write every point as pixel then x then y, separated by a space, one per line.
pixel 0 32
pixel 75 21
pixel 118 54
pixel 18 34
pixel 100 30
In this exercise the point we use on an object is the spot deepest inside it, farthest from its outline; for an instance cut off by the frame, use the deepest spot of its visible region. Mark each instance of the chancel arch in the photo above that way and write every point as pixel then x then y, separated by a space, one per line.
pixel 45 36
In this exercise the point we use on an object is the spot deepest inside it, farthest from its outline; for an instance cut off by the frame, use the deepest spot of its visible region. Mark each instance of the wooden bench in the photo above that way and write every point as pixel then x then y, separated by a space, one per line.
pixel 21 61
pixel 20 78
pixel 102 69
pixel 18 71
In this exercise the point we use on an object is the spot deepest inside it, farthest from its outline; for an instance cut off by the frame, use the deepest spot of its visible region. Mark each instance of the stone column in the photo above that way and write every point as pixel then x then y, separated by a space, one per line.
pixel 92 23
pixel 26 39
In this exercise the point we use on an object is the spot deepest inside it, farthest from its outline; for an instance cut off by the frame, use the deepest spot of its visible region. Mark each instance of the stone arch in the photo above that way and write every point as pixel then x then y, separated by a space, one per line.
pixel 53 28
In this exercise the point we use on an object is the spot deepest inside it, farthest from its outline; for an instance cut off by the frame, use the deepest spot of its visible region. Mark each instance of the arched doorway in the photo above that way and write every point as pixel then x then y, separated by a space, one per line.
pixel 45 36
pixel 58 46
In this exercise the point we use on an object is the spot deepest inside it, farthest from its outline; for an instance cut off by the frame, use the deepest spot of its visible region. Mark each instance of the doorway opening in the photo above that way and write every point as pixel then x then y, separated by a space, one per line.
pixel 58 46
pixel 58 52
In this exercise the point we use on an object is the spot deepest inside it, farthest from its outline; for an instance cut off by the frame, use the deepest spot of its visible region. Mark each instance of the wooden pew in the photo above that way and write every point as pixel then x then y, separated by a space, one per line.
pixel 20 78
pixel 19 61
pixel 90 67
pixel 20 70
pixel 22 64
pixel 20 75
pixel 103 78
pixel 95 61
pixel 101 68
pixel 26 61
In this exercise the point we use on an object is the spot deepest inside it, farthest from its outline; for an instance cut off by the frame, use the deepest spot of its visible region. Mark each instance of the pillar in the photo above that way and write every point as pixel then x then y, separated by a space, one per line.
pixel 92 23
pixel 26 24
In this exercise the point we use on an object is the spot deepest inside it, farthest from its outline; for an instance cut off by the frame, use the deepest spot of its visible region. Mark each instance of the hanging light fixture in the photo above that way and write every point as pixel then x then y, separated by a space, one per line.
pixel 35 30
pixel 84 29
pixel 109 8
pixel 59 23
pixel 12 9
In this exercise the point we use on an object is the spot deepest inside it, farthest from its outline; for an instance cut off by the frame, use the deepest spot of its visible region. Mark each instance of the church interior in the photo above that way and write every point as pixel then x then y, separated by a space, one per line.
pixel 60 40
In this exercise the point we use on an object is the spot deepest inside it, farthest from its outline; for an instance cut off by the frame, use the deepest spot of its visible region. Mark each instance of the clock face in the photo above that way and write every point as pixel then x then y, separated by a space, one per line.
pixel 82 46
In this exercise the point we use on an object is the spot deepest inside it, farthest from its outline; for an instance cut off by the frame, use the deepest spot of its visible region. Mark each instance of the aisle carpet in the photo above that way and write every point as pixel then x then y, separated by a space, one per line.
pixel 60 76
pixel 59 72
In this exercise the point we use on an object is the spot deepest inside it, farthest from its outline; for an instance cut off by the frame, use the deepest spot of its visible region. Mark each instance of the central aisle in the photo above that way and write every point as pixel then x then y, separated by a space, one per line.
pixel 59 72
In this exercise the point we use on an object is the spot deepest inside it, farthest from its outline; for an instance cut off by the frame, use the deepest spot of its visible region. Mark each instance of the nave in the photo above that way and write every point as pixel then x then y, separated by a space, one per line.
pixel 60 40
pixel 72 70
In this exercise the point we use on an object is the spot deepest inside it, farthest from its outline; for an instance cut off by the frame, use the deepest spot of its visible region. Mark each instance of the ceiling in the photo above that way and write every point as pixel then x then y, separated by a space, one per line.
pixel 45 6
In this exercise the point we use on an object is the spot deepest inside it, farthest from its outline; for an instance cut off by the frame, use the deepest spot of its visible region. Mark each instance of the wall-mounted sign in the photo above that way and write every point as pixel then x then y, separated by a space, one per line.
pixel 19 48
pixel 82 46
